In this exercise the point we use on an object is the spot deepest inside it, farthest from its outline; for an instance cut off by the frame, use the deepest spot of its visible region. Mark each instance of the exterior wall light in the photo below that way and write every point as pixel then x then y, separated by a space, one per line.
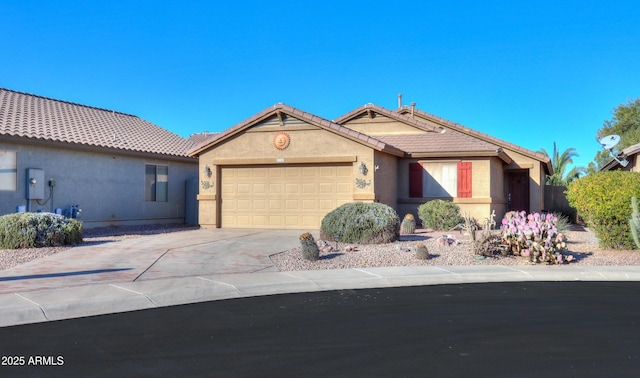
pixel 207 171
pixel 363 169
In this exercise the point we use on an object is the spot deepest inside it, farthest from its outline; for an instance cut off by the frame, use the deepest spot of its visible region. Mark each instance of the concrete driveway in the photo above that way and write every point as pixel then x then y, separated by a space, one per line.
pixel 207 265
pixel 177 254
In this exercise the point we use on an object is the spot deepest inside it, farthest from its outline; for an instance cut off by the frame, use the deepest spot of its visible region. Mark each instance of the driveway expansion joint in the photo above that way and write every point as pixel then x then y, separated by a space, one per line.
pixel 40 307
pixel 222 283
pixel 136 292
pixel 517 270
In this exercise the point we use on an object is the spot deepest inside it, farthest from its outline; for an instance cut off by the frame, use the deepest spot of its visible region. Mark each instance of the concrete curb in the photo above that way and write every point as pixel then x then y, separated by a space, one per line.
pixel 98 299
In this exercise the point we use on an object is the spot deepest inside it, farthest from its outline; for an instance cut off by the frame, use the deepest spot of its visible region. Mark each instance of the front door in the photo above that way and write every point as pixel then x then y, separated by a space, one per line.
pixel 518 190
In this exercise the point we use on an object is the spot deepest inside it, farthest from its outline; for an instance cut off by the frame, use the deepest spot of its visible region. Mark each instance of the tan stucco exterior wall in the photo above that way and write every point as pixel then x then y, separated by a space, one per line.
pixel 537 178
pixel 487 189
pixel 386 173
pixel 309 144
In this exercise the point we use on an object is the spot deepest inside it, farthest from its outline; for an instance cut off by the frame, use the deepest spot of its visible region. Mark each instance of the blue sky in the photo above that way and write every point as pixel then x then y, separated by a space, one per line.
pixel 529 72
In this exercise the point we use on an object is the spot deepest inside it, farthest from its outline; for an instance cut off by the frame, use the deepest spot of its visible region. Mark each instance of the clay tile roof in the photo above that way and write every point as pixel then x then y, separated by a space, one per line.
pixel 31 116
pixel 468 131
pixel 197 138
pixel 302 115
pixel 389 113
pixel 449 141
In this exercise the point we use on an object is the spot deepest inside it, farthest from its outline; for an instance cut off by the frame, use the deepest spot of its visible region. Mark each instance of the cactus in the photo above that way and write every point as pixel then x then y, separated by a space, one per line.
pixel 408 225
pixel 310 250
pixel 422 253
pixel 634 222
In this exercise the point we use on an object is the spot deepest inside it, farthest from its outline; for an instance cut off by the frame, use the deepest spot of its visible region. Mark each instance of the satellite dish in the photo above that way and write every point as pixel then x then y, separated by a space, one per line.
pixel 608 143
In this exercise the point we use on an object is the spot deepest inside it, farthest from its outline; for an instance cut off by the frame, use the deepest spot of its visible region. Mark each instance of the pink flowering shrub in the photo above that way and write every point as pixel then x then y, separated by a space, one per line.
pixel 535 237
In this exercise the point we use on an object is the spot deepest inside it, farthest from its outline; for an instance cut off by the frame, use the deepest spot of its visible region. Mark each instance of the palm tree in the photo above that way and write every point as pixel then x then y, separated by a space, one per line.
pixel 559 163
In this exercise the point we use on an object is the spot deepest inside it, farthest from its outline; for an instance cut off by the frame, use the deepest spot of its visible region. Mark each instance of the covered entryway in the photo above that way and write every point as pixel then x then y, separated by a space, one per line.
pixel 518 190
pixel 282 196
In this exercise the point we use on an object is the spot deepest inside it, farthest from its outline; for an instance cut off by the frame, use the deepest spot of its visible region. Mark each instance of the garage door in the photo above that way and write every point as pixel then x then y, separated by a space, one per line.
pixel 282 196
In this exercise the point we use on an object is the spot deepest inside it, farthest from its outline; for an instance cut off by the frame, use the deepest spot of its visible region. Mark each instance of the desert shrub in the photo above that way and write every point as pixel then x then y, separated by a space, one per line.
pixel 361 222
pixel 408 225
pixel 634 222
pixel 534 236
pixel 486 242
pixel 310 250
pixel 439 215
pixel 28 230
pixel 563 224
pixel 603 200
pixel 422 253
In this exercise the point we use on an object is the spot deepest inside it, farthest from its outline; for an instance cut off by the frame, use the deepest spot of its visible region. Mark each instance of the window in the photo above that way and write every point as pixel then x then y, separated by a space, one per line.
pixel 8 170
pixel 439 180
pixel 156 183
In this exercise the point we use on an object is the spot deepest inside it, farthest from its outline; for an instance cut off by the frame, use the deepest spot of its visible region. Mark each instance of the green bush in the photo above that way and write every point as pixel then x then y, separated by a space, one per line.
pixel 439 215
pixel 603 200
pixel 29 230
pixel 360 222
pixel 634 222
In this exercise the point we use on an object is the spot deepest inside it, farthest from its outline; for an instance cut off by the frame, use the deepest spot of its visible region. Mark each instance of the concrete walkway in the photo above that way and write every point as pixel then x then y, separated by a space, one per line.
pixel 204 265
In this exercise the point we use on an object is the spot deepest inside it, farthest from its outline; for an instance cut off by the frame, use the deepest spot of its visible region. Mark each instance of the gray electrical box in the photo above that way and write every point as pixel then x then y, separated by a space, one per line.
pixel 35 184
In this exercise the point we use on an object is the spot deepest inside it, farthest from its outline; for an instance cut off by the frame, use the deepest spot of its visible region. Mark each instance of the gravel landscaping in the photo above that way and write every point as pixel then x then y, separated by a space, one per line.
pixel 582 245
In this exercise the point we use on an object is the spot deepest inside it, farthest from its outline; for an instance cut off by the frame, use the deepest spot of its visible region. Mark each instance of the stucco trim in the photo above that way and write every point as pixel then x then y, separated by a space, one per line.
pixel 457 200
pixel 289 160
pixel 501 154
pixel 364 197
pixel 479 200
pixel 520 166
pixel 270 129
pixel 206 197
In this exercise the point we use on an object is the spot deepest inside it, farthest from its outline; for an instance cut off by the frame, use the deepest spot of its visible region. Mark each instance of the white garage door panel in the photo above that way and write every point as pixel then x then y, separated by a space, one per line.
pixel 283 196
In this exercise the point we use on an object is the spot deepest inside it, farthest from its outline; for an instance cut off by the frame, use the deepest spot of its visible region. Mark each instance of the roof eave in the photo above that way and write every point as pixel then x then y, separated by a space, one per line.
pixel 485 137
pixel 234 130
pixel 457 154
pixel 387 113
pixel 303 116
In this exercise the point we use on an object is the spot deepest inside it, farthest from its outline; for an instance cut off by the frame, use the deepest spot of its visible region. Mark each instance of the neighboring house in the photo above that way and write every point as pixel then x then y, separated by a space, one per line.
pixel 285 168
pixel 630 154
pixel 119 169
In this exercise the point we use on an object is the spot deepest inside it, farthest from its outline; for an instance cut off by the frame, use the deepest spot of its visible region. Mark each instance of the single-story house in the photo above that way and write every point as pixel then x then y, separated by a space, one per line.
pixel 119 169
pixel 286 168
pixel 630 154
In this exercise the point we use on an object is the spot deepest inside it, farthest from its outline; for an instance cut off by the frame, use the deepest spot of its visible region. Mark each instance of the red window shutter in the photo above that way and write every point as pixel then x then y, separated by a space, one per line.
pixel 464 179
pixel 415 180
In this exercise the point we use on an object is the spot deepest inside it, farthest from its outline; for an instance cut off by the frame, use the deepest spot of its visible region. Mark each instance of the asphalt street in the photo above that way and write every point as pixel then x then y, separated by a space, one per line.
pixel 523 329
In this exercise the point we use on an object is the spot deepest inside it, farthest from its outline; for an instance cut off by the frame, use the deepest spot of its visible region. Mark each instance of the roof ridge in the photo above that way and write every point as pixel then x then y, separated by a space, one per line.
pixel 463 128
pixel 389 113
pixel 25 115
pixel 294 112
pixel 67 102
pixel 310 116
